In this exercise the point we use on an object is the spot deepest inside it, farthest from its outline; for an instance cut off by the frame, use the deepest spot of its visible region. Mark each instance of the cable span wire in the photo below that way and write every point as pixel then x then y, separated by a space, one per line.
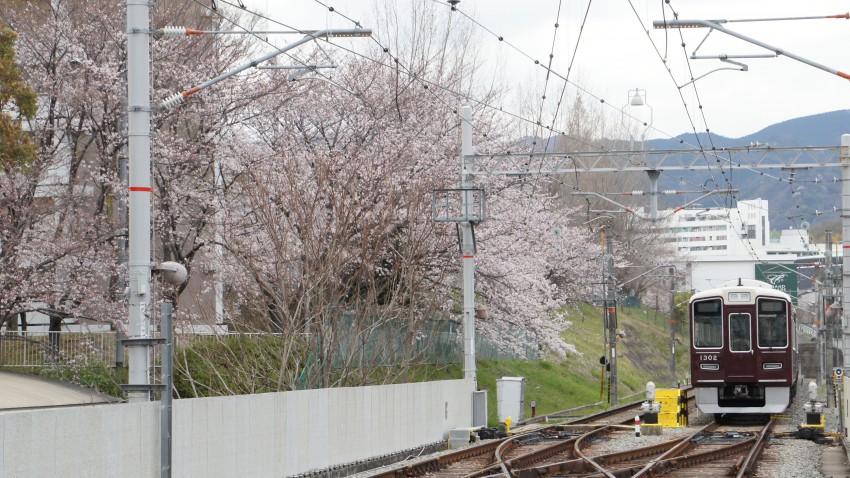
pixel 414 77
pixel 727 180
pixel 566 81
pixel 422 80
pixel 425 82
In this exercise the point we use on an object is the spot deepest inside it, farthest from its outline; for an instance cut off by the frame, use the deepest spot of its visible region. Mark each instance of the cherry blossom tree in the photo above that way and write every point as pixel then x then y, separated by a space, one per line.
pixel 65 248
pixel 328 230
pixel 50 244
pixel 309 200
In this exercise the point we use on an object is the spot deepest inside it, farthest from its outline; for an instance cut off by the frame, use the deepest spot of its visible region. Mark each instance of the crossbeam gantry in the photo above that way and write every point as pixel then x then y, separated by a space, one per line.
pixel 659 160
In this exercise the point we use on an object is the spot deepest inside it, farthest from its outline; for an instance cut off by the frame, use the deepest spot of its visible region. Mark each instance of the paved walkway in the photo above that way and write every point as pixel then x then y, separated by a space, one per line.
pixel 18 390
pixel 834 463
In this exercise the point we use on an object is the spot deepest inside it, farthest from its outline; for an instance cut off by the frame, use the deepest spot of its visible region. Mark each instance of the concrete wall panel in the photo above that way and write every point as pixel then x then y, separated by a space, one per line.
pixel 18 432
pixel 281 423
pixel 264 435
pixel 262 422
pixel 290 434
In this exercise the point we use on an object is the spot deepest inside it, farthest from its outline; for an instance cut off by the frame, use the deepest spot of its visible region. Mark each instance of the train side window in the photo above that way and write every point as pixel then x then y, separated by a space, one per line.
pixel 739 332
pixel 708 324
pixel 772 323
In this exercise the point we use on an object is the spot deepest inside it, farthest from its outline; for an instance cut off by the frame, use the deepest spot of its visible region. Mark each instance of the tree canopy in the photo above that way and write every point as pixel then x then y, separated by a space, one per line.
pixel 303 207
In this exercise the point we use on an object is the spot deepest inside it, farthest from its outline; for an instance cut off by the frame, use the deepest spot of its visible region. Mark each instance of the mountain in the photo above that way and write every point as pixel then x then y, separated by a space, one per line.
pixel 811 196
pixel 824 129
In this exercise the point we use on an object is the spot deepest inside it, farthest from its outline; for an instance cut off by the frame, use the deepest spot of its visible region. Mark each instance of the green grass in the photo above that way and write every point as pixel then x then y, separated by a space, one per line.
pixel 559 384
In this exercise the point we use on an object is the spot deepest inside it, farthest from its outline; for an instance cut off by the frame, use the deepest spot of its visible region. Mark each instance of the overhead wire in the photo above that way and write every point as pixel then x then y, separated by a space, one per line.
pixel 396 63
pixel 566 82
pixel 664 59
pixel 746 240
pixel 425 82
pixel 409 72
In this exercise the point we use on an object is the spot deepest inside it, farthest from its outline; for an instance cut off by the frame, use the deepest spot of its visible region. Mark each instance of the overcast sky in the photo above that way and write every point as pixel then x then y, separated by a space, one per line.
pixel 615 54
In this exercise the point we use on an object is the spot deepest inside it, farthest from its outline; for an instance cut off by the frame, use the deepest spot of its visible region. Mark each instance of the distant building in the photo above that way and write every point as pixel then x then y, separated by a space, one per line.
pixel 717 245
pixel 719 231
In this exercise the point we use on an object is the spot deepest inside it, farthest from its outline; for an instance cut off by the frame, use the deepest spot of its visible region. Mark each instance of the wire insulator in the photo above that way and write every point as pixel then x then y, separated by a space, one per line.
pixel 174 30
pixel 173 100
pixel 180 31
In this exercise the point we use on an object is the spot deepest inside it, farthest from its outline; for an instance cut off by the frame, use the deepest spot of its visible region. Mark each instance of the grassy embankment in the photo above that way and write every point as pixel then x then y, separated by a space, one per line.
pixel 558 384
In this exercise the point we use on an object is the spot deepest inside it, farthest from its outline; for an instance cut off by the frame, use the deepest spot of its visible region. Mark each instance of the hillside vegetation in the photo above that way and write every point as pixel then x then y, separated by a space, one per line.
pixel 643 355
pixel 555 384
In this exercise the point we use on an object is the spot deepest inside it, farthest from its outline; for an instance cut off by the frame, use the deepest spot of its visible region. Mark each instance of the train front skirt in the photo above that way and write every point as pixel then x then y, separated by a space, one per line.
pixel 742 399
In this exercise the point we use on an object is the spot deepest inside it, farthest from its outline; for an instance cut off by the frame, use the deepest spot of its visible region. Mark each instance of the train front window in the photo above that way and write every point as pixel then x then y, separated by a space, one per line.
pixel 708 324
pixel 739 332
pixel 772 323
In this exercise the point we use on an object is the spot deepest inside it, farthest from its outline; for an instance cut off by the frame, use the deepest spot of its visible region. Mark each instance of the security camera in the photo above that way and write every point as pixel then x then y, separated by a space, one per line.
pixel 174 273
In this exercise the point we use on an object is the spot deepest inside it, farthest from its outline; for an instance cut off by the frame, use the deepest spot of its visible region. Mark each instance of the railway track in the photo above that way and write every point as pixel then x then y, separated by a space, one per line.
pixel 577 449
pixel 711 451
pixel 549 443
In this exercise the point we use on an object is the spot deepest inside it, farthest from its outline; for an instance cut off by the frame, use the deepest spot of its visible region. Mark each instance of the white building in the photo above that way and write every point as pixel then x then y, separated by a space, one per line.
pixel 719 231
pixel 716 245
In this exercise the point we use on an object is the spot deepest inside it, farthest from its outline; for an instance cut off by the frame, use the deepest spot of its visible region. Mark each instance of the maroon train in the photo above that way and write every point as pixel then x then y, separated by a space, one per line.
pixel 743 349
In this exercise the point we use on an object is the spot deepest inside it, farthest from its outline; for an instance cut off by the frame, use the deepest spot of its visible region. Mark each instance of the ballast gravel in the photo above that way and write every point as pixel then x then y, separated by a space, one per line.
pixel 784 457
pixel 795 458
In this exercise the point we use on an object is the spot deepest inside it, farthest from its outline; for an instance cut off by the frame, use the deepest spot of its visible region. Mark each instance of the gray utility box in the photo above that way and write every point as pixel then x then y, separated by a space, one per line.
pixel 461 437
pixel 479 408
pixel 510 398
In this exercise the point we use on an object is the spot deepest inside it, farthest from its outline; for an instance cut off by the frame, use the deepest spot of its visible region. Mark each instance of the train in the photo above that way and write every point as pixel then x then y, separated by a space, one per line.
pixel 743 349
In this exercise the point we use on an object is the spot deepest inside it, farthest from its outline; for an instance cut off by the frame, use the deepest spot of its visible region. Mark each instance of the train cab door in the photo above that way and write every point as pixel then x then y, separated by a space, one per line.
pixel 741 363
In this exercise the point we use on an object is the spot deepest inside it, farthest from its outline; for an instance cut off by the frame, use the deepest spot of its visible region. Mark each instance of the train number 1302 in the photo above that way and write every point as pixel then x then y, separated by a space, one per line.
pixel 708 357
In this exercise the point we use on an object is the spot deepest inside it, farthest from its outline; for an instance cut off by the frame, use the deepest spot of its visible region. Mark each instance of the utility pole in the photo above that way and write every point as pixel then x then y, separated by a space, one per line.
pixel 824 329
pixel 845 271
pixel 139 180
pixel 611 318
pixel 672 271
pixel 165 411
pixel 467 249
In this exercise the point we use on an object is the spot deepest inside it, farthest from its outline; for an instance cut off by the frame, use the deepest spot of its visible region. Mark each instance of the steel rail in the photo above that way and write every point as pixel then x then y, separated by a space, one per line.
pixel 750 444
pixel 589 460
pixel 683 445
pixel 745 467
pixel 579 465
pixel 436 463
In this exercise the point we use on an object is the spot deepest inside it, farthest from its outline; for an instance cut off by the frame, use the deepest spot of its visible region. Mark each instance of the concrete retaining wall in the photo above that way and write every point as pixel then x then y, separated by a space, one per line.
pixel 266 435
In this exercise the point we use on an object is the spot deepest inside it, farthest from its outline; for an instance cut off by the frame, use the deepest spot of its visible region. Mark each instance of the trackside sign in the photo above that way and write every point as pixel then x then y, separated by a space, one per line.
pixel 781 276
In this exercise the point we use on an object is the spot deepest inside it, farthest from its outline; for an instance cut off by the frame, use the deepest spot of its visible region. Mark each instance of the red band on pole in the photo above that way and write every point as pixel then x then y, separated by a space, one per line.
pixel 843 75
pixel 137 189
pixel 469 257
pixel 840 15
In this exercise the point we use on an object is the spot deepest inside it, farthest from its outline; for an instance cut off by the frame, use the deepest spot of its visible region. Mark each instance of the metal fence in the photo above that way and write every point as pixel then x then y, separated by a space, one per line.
pixel 437 343
pixel 36 349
